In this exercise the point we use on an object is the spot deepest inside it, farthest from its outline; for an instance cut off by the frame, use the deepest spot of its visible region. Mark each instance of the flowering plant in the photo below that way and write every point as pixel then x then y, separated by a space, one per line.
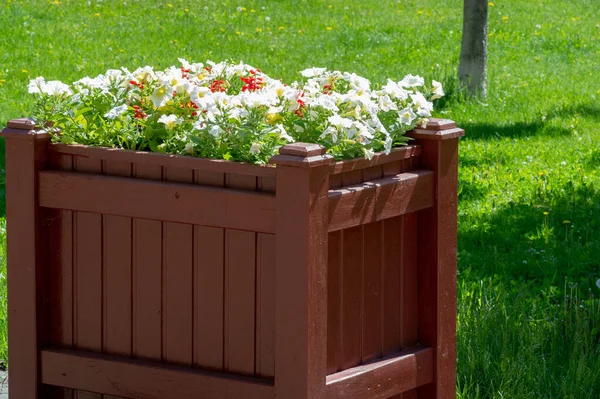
pixel 233 111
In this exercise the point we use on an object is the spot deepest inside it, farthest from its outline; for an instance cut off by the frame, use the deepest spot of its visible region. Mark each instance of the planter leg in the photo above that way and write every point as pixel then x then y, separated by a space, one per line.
pixel 301 271
pixel 437 257
pixel 25 156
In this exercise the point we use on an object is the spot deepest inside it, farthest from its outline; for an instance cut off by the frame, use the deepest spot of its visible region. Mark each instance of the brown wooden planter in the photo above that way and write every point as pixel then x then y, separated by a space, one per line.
pixel 140 275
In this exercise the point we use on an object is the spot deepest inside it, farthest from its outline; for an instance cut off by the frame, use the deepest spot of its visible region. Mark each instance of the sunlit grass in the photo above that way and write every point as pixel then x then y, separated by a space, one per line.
pixel 529 171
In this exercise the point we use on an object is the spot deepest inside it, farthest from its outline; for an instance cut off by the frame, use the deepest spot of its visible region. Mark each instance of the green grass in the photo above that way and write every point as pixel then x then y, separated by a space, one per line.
pixel 528 312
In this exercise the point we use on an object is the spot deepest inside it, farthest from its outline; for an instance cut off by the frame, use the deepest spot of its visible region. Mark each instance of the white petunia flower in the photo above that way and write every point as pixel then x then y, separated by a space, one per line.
pixel 598 283
pixel 215 130
pixel 406 116
pixel 116 111
pixel 423 106
pixel 312 72
pixel 438 90
pixel 283 134
pixel 162 95
pixel 189 148
pixel 52 88
pixel 255 148
pixel 35 85
pixel 412 81
pixel 368 153
pixel 339 122
pixel 170 121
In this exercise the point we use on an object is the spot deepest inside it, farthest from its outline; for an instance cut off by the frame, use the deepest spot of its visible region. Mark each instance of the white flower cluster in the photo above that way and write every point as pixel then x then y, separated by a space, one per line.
pixel 234 111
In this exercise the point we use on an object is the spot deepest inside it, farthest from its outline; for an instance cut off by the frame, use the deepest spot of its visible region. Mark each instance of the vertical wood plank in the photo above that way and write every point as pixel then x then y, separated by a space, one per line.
pixel 117 275
pixel 147 279
pixel 265 305
pixel 26 260
pixel 352 296
pixel 409 281
pixel 61 275
pixel 334 303
pixel 177 316
pixel 208 297
pixel 372 290
pixel 88 274
pixel 352 292
pixel 240 276
pixel 437 261
pixel 240 286
pixel 301 266
pixel 392 298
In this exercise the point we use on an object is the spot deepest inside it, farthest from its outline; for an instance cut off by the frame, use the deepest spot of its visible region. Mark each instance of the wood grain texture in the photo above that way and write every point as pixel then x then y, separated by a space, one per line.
pixel 88 297
pixel 372 317
pixel 397 154
pixel 383 378
pixel 209 264
pixel 265 305
pixel 177 284
pixel 165 201
pixel 139 379
pixel 60 283
pixel 334 302
pixel 26 259
pixel 301 276
pixel 437 266
pixel 147 279
pixel 163 160
pixel 380 199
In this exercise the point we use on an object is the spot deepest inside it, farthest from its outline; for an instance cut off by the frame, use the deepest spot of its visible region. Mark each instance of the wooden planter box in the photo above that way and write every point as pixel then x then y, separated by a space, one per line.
pixel 140 275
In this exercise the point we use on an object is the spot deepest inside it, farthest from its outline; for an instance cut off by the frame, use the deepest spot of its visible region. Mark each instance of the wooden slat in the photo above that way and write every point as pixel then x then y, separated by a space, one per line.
pixel 165 201
pixel 25 155
pixel 116 268
pixel 265 305
pixel 209 259
pixel 208 297
pixel 139 379
pixel 301 275
pixel 392 298
pixel 177 313
pixel 352 294
pixel 240 303
pixel 381 158
pixel 334 302
pixel 147 278
pixel 88 274
pixel 380 199
pixel 372 290
pixel 164 160
pixel 383 378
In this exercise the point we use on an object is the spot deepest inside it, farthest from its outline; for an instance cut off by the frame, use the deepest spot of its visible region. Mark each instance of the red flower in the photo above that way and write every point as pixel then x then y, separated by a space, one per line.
pixel 217 85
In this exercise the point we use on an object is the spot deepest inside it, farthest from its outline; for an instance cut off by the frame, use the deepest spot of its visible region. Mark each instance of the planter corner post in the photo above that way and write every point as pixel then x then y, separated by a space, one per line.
pixel 437 255
pixel 25 156
pixel 302 185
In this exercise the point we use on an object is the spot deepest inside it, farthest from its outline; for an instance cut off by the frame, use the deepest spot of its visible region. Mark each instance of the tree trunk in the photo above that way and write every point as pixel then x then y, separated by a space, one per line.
pixel 473 54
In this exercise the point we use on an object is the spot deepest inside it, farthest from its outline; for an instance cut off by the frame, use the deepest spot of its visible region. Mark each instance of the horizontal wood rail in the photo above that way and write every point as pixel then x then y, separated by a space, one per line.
pixel 138 379
pixel 167 160
pixel 396 154
pixel 158 200
pixel 383 378
pixel 380 199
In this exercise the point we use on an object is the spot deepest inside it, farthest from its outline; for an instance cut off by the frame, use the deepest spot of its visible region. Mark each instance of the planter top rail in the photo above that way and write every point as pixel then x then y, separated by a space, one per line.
pixel 443 129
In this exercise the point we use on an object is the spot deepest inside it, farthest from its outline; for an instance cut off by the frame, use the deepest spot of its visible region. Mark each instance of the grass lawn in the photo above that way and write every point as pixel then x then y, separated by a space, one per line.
pixel 529 209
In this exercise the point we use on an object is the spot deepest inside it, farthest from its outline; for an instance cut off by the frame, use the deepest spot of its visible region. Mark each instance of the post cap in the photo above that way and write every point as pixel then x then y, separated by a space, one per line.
pixel 21 123
pixel 23 128
pixel 304 155
pixel 437 129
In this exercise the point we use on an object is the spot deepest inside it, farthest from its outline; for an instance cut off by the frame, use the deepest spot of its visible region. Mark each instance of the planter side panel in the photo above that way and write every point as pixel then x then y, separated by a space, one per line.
pixel 372 282
pixel 178 293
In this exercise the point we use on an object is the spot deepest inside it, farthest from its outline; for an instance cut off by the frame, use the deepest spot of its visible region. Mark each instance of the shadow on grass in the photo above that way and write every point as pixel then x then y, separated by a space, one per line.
pixel 483 131
pixel 521 242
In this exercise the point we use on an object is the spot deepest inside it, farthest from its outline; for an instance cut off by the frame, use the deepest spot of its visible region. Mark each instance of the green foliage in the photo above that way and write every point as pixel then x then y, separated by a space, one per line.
pixel 532 148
